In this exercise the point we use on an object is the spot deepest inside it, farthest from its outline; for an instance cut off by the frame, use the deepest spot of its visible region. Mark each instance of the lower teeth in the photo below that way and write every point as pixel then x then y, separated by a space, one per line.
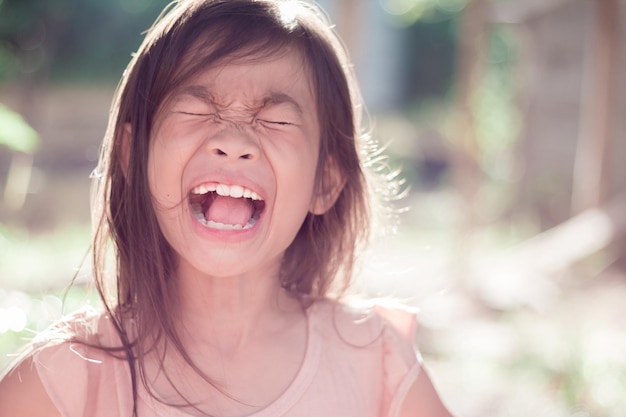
pixel 221 226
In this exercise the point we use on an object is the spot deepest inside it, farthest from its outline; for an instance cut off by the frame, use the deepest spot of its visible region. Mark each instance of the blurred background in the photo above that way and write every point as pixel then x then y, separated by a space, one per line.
pixel 507 119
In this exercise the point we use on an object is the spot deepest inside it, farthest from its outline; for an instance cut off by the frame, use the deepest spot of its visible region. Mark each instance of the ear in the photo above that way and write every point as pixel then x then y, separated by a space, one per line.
pixel 125 149
pixel 327 192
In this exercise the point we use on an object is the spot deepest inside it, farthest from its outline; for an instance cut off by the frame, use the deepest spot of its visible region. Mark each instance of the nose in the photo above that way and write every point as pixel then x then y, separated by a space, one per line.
pixel 234 144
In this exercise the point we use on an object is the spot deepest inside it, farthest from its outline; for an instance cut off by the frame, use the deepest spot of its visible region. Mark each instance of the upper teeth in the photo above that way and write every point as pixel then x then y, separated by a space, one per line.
pixel 235 191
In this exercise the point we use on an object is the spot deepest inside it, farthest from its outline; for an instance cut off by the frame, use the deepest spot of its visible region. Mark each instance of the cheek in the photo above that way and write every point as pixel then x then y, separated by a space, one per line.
pixel 164 177
pixel 300 176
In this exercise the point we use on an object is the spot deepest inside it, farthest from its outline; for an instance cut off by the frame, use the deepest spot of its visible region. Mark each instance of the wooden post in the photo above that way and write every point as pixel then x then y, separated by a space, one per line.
pixel 591 184
pixel 469 74
pixel 349 23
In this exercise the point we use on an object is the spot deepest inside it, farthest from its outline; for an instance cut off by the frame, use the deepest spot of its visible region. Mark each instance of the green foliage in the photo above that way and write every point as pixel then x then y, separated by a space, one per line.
pixel 498 120
pixel 407 12
pixel 15 133
pixel 35 273
pixel 23 315
pixel 429 60
pixel 72 40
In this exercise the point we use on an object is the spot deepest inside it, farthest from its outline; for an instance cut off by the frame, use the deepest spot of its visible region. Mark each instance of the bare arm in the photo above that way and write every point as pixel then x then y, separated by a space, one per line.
pixel 23 395
pixel 422 400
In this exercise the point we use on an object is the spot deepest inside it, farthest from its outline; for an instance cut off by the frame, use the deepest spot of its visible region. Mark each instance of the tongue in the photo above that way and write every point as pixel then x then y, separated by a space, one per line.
pixel 229 210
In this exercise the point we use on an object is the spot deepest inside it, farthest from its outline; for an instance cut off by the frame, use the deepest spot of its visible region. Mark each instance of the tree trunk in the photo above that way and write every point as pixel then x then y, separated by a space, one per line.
pixel 591 173
pixel 470 71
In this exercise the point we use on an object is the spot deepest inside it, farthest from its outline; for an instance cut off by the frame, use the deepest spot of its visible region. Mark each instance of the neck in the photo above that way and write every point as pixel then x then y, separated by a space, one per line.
pixel 234 331
pixel 228 313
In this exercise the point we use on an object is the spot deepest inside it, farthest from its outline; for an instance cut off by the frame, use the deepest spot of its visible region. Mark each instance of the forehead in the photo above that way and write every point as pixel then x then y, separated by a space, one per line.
pixel 280 77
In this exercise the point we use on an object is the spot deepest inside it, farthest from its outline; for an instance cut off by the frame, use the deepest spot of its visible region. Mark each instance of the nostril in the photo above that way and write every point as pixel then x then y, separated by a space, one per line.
pixel 219 152
pixel 231 148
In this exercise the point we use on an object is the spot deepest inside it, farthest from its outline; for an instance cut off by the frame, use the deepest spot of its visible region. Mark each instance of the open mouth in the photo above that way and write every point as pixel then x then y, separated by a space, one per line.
pixel 226 207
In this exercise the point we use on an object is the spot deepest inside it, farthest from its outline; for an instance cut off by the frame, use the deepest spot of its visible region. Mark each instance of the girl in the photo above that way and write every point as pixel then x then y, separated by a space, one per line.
pixel 231 187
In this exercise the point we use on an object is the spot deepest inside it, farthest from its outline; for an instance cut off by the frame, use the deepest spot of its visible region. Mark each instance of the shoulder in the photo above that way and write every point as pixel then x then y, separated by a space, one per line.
pixel 386 330
pixel 22 393
pixel 356 308
pixel 362 322
pixel 55 376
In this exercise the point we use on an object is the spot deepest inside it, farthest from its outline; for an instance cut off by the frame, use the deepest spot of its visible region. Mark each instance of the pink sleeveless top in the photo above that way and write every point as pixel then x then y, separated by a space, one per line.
pixel 358 363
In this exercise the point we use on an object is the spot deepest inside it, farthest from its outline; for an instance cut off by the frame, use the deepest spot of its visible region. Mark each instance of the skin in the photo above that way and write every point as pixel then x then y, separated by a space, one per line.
pixel 22 393
pixel 252 125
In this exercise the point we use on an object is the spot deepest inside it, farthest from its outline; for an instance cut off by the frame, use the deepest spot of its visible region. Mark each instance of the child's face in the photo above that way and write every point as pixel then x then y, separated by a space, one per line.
pixel 232 165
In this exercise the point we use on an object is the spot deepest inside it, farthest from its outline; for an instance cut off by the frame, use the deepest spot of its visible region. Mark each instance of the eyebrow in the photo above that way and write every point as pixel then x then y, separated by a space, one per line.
pixel 196 91
pixel 274 98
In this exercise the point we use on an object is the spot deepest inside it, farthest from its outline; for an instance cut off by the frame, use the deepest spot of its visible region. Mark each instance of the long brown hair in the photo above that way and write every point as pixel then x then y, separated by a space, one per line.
pixel 190 37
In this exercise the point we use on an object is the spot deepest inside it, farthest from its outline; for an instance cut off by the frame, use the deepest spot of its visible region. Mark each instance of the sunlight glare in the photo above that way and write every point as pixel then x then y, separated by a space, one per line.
pixel 12 319
pixel 288 11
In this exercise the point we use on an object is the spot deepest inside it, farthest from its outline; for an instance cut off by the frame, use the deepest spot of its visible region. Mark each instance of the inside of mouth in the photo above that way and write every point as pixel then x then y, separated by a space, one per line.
pixel 222 212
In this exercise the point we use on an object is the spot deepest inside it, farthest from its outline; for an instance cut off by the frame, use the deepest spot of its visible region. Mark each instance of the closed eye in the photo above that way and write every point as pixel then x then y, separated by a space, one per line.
pixel 275 122
pixel 186 113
